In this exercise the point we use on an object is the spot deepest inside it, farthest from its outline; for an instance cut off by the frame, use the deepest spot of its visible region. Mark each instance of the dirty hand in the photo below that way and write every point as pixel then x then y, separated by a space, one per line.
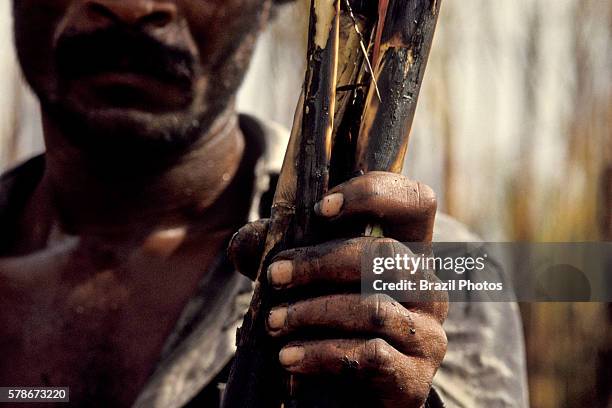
pixel 393 348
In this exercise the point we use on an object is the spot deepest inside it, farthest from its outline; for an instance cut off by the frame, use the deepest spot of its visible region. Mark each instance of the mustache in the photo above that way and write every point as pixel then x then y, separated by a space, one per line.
pixel 119 49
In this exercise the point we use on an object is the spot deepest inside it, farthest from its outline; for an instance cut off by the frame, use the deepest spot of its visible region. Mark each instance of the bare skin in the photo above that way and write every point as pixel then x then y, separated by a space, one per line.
pixel 123 226
pixel 395 349
pixel 95 296
pixel 141 192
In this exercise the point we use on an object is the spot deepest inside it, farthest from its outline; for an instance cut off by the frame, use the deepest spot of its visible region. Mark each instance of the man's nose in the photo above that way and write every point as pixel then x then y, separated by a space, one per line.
pixel 154 13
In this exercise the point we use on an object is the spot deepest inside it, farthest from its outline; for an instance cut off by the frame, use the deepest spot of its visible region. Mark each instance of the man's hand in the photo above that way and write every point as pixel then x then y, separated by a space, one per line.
pixel 393 348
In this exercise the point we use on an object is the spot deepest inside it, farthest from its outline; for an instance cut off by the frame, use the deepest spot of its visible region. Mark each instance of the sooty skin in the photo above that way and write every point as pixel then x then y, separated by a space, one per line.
pixel 147 176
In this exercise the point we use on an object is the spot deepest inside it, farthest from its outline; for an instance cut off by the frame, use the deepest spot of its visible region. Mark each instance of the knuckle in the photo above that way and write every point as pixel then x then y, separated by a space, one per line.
pixel 441 308
pixel 358 244
pixel 418 199
pixel 384 241
pixel 393 246
pixel 441 338
pixel 387 247
pixel 427 199
pixel 436 345
pixel 249 236
pixel 308 263
pixel 365 187
pixel 443 343
pixel 294 254
pixel 368 188
pixel 388 178
pixel 380 310
pixel 377 354
pixel 381 174
pixel 255 230
pixel 236 243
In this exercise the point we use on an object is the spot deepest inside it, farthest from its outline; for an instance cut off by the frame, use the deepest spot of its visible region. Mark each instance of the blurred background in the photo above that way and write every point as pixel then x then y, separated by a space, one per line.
pixel 512 131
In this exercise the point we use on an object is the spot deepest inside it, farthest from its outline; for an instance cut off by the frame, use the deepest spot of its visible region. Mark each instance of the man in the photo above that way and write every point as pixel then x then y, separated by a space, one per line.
pixel 113 279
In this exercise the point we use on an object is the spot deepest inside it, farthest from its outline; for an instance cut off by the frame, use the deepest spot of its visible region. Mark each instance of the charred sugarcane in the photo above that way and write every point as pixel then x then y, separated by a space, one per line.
pixel 256 378
pixel 365 64
pixel 403 41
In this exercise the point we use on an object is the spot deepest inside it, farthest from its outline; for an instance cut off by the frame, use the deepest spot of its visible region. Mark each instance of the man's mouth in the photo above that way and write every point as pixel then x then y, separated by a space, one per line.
pixel 129 90
pixel 120 68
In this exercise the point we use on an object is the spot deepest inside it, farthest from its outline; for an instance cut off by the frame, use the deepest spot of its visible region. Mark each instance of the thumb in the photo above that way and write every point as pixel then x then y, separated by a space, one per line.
pixel 246 247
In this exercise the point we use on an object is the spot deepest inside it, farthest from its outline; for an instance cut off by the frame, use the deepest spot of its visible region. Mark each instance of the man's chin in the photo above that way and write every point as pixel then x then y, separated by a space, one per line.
pixel 125 130
pixel 133 119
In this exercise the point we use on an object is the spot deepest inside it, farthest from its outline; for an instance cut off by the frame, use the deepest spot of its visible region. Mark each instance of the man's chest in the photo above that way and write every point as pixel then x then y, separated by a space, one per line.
pixel 96 320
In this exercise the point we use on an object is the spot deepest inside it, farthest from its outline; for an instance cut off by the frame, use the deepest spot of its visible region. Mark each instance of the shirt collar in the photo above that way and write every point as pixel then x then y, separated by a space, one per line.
pixel 203 340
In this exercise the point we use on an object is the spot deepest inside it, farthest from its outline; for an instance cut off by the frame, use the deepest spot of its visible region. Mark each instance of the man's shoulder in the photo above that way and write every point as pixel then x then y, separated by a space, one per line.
pixel 485 342
pixel 30 169
pixel 16 187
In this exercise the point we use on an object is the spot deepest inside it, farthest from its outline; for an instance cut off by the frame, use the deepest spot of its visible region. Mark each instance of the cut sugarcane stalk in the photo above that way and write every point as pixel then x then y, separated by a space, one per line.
pixel 318 118
pixel 368 133
pixel 256 379
pixel 402 44
pixel 402 51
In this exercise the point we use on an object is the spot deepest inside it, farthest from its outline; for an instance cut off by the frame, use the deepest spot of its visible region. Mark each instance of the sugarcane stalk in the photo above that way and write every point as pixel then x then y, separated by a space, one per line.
pixel 354 75
pixel 256 377
pixel 401 53
pixel 353 29
pixel 313 162
pixel 363 132
pixel 318 119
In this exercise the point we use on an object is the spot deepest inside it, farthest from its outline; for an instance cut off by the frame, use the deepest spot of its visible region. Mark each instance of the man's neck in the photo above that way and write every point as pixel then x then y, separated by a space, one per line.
pixel 129 199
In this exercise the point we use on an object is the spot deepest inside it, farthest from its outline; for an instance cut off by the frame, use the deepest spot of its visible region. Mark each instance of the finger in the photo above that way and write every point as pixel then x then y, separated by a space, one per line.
pixel 411 331
pixel 335 262
pixel 337 266
pixel 400 380
pixel 404 207
pixel 332 263
pixel 246 247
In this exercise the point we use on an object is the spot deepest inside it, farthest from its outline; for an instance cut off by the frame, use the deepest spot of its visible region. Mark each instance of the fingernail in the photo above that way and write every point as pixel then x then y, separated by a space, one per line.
pixel 291 355
pixel 280 273
pixel 330 205
pixel 276 318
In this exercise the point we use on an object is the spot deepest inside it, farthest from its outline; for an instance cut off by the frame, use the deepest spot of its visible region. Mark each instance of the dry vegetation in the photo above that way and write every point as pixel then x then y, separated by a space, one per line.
pixel 542 179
